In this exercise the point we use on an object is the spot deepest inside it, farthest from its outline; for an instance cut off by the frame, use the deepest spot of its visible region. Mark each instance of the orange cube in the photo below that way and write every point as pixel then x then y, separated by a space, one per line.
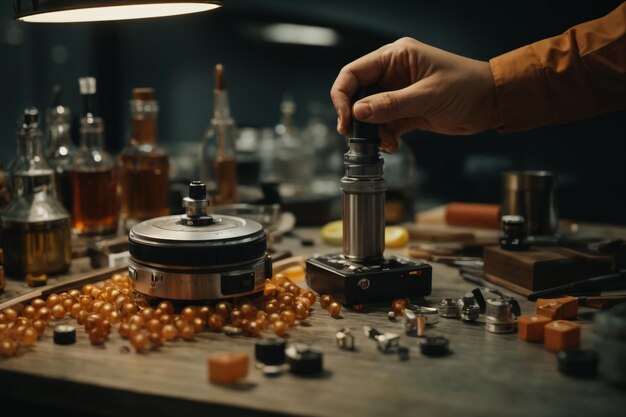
pixel 531 328
pixel 570 307
pixel 227 367
pixel 549 307
pixel 561 335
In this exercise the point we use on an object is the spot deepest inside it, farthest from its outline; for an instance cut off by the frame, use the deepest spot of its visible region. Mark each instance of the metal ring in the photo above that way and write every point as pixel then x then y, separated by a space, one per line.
pixel 431 313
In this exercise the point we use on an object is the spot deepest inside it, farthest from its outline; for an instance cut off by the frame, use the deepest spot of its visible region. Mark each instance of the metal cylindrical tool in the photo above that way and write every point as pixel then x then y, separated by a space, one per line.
pixel 363 189
pixel 499 316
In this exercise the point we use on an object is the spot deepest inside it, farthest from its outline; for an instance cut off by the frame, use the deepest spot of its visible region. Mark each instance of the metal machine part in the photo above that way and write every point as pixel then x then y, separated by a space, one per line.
pixel 450 308
pixel 409 321
pixel 499 316
pixel 470 310
pixel 514 233
pixel 196 256
pixel 362 274
pixel 345 339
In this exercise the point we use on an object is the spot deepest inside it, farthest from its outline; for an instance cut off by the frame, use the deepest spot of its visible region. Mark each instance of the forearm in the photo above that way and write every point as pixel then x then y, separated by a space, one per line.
pixel 576 75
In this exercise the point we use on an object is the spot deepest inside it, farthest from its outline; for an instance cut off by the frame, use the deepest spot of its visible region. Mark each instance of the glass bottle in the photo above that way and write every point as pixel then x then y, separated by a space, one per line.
pixel 35 226
pixel 61 150
pixel 144 165
pixel 218 165
pixel 94 180
pixel 295 159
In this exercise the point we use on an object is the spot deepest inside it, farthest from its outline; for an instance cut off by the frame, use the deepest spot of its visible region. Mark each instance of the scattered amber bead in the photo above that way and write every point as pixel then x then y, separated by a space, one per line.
pixel 273 317
pixel 96 305
pixel 158 313
pixel 301 311
pixel 29 312
pixel 68 303
pixel 334 309
pixel 29 337
pixel 95 293
pixel 248 310
pixel 124 330
pixel 3 319
pixel 87 289
pixel 44 314
pixel 147 313
pixel 10 314
pixel 136 319
pixel 263 323
pixel 310 295
pixel 169 332
pixel 325 301
pixel 139 341
pixel 198 324
pixel 96 336
pixel 155 339
pixel 53 299
pixel 216 322
pixel 398 308
pixel 281 280
pixel 92 321
pixel 285 307
pixel 58 312
pixel 82 317
pixel 252 328
pixel 294 289
pixel 189 313
pixel 75 309
pixel 304 300
pixel 75 294
pixel 187 333
pixel 153 325
pixel 279 327
pixel 236 317
pixel 288 317
pixel 120 301
pixel 19 331
pixel 129 309
pixel 85 301
pixel 223 309
pixel 106 309
pixel 166 306
pixel 205 312
pixel 180 323
pixel 166 319
pixel 39 326
pixel 286 299
pixel 8 348
pixel 271 308
pixel 22 321
pixel 37 303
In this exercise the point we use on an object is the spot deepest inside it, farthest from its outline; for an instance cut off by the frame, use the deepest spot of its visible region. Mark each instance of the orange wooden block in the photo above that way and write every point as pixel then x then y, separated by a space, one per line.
pixel 226 367
pixel 549 307
pixel 570 307
pixel 531 328
pixel 561 335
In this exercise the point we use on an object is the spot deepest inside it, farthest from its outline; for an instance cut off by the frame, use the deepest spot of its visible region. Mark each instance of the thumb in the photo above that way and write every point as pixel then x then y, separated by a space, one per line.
pixel 390 105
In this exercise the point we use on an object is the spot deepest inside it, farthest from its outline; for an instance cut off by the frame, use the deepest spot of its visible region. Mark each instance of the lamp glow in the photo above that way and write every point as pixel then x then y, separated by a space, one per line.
pixel 100 13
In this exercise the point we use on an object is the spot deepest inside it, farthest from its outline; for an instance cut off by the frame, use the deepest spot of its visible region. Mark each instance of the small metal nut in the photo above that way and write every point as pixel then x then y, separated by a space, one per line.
pixel 345 339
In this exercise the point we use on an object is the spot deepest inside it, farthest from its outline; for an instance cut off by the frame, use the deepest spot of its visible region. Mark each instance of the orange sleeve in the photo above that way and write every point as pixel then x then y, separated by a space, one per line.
pixel 576 75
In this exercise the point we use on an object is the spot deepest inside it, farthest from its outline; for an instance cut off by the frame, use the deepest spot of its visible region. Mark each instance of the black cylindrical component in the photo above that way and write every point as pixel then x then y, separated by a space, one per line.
pixel 64 335
pixel 306 363
pixel 197 190
pixel 579 363
pixel 270 351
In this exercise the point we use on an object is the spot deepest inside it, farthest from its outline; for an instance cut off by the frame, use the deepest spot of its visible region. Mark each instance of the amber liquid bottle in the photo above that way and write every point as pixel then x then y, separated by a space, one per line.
pixel 94 180
pixel 144 166
pixel 218 165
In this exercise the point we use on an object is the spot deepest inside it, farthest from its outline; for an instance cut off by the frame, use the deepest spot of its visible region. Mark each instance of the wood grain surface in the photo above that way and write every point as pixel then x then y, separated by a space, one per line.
pixel 486 374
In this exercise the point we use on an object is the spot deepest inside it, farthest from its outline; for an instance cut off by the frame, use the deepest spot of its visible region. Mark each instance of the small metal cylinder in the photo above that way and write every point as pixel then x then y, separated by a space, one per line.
pixel 500 317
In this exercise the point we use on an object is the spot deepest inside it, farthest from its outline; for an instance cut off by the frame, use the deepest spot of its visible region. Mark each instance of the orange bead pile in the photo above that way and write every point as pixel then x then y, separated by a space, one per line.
pixel 101 307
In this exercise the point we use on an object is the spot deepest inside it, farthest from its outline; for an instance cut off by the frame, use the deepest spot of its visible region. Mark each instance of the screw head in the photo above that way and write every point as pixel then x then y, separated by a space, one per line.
pixel 364 283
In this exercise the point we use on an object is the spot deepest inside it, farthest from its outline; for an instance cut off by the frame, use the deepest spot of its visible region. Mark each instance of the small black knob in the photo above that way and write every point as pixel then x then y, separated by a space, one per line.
pixel 361 130
pixel 197 190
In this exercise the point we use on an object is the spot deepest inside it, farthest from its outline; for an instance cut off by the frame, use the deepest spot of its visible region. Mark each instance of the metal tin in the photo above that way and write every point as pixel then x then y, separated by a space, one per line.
pixel 499 316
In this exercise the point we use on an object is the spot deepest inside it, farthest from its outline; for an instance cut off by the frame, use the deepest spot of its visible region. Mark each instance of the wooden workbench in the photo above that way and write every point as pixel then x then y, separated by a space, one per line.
pixel 486 375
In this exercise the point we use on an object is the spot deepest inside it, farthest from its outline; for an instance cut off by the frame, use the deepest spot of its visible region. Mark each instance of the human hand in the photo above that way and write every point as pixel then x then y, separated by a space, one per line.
pixel 423 88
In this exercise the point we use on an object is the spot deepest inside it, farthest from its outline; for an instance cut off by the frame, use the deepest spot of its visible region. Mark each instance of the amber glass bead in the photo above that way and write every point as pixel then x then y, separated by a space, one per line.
pixel 147 313
pixel 139 341
pixel 325 301
pixel 95 293
pixel 129 309
pixel 286 299
pixel 135 328
pixel 29 337
pixel 188 313
pixel 263 322
pixel 166 319
pixel 155 339
pixel 180 323
pixel 223 309
pixel 75 294
pixel 39 326
pixel 187 333
pixel 294 289
pixel 166 306
pixel 153 325
pixel 262 315
pixel 236 317
pixel 301 311
pixel 216 322
pixel 334 309
pixel 68 303
pixel 279 327
pixel 252 328
pixel 288 317
pixel 82 317
pixel 248 311
pixel 271 308
pixel 58 312
pixel 85 301
pixel 8 348
pixel 169 332
pixel 96 305
pixel 158 313
pixel 37 303
pixel 87 289
pixel 10 314
pixel 53 299
pixel 124 330
pixel 120 301
pixel 281 280
pixel 3 319
pixel 136 319
pixel 92 321
pixel 106 309
pixel 44 314
pixel 198 325
pixel 273 317
pixel 75 309
pixel 29 312
pixel 19 331
pixel 115 317
pixel 96 336
pixel 397 308
pixel 304 300
pixel 205 312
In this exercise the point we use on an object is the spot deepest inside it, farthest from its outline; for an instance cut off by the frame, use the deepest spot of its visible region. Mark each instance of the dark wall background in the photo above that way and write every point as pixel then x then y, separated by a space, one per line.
pixel 175 55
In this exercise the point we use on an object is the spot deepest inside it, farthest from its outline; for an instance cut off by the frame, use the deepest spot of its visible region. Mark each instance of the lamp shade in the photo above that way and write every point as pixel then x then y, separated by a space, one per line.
pixel 67 11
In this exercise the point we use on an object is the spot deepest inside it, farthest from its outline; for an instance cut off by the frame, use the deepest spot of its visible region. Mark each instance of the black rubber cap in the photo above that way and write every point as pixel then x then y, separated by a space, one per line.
pixel 361 130
pixel 306 363
pixel 434 346
pixel 197 190
pixel 579 363
pixel 64 335
pixel 270 351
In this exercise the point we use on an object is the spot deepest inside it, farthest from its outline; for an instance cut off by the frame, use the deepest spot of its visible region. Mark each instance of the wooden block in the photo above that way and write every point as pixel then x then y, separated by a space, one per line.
pixel 227 367
pixel 540 268
pixel 531 327
pixel 561 335
pixel 549 307
pixel 570 307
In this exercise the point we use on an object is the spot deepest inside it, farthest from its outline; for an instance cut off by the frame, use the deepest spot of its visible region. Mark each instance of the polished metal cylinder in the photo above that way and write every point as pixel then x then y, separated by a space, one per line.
pixel 363 214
